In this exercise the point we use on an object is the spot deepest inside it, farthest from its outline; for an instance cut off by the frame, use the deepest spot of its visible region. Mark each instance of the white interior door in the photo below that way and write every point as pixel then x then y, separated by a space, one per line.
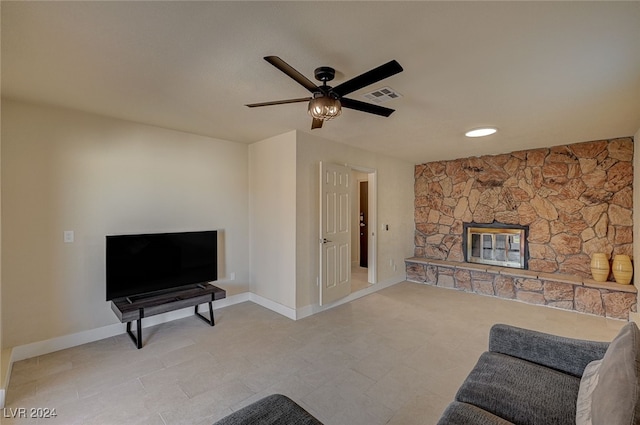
pixel 335 232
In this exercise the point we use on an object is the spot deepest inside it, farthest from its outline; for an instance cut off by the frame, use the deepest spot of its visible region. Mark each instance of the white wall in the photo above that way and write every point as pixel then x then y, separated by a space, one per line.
pixel 67 170
pixel 272 165
pixel 284 173
pixel 395 208
pixel 4 361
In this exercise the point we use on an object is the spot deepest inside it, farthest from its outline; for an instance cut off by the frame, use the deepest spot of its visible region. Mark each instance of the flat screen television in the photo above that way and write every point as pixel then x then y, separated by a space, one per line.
pixel 146 263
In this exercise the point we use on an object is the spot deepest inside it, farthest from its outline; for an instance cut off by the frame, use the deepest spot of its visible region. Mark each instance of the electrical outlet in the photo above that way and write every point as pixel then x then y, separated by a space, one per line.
pixel 232 276
pixel 68 236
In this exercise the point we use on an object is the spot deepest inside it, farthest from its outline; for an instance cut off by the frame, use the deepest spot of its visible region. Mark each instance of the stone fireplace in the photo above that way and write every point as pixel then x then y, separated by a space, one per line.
pixel 574 200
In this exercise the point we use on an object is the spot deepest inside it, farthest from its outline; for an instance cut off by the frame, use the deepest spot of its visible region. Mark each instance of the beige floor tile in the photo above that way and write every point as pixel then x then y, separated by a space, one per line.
pixel 293 387
pixel 24 373
pixel 202 365
pixel 107 380
pixel 183 354
pixel 378 363
pixel 398 387
pixel 200 409
pixel 420 410
pixel 396 356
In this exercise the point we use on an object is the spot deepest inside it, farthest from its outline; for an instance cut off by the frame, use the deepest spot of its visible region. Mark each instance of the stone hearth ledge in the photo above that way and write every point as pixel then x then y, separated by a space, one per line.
pixel 512 272
pixel 568 292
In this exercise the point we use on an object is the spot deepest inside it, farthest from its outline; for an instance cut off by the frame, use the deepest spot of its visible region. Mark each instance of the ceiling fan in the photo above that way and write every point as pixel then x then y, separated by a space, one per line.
pixel 327 102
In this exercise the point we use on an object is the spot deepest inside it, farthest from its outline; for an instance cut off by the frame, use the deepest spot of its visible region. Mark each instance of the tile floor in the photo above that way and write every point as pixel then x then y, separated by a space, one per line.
pixel 359 278
pixel 393 357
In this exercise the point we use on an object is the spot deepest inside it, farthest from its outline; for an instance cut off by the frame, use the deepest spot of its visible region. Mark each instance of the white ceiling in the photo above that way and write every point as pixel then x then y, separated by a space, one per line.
pixel 544 73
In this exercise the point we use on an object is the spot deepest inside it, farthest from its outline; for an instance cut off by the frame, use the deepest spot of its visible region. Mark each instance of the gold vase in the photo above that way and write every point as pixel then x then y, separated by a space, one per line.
pixel 622 269
pixel 599 267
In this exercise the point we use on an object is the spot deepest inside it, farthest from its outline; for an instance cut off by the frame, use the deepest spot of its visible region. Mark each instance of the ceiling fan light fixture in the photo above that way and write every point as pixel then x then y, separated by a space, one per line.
pixel 481 132
pixel 324 108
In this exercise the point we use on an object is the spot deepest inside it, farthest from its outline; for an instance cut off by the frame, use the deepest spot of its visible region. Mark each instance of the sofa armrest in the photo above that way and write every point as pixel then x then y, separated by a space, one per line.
pixel 458 413
pixel 564 354
pixel 275 409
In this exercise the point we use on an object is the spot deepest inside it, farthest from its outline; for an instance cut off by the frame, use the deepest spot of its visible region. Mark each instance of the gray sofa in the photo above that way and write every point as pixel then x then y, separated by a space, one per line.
pixel 275 409
pixel 526 378
pixel 530 377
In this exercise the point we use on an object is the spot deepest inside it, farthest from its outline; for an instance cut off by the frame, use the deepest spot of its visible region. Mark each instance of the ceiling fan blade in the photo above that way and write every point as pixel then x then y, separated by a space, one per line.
pixel 376 74
pixel 292 72
pixel 365 107
pixel 316 123
pixel 279 102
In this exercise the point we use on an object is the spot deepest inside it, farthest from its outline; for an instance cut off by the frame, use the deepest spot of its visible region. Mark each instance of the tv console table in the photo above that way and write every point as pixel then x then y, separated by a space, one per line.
pixel 137 307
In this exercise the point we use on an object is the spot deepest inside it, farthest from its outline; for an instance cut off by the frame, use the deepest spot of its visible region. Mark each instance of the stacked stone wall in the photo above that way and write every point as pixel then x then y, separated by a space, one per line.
pixel 576 200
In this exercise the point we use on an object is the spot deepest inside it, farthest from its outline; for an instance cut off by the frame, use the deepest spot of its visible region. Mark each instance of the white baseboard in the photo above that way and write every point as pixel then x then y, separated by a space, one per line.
pixel 310 310
pixel 273 306
pixel 40 348
pixel 5 370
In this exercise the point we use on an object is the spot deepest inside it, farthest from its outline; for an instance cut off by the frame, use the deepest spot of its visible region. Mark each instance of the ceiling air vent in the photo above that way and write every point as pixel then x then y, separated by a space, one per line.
pixel 382 95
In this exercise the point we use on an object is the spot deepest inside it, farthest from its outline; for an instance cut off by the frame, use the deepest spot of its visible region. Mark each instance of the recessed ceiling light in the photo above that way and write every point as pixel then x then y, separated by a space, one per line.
pixel 480 132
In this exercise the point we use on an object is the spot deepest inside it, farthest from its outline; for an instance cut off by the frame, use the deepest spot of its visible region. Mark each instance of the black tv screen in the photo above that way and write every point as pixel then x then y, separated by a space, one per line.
pixel 139 264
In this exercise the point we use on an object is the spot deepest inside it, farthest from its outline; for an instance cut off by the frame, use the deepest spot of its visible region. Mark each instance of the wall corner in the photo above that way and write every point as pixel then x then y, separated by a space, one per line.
pixel 636 216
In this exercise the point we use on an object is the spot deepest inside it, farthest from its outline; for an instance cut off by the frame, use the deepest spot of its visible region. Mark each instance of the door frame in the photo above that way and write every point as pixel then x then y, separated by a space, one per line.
pixel 372 257
pixel 361 184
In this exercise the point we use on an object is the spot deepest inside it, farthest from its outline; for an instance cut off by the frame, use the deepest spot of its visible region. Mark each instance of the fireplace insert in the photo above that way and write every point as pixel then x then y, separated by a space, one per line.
pixel 496 244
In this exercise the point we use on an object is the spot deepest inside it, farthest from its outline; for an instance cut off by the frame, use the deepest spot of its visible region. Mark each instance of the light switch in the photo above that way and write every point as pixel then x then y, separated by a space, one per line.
pixel 68 236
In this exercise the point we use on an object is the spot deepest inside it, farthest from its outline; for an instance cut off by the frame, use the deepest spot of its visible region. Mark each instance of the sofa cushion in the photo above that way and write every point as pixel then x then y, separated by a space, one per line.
pixel 567 355
pixel 585 393
pixel 466 414
pixel 521 392
pixel 615 397
pixel 275 409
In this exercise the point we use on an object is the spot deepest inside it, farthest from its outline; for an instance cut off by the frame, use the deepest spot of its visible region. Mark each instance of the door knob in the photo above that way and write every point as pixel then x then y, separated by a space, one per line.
pixel 325 240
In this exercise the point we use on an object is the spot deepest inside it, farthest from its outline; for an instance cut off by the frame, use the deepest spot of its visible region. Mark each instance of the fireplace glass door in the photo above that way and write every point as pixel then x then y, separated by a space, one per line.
pixel 496 246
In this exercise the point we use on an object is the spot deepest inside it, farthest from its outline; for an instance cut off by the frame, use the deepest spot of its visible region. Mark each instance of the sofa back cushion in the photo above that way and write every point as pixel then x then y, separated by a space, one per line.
pixel 615 396
pixel 588 384
pixel 520 391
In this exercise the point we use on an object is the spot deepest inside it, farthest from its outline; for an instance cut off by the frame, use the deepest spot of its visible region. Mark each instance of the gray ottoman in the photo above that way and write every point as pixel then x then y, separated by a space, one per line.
pixel 275 409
